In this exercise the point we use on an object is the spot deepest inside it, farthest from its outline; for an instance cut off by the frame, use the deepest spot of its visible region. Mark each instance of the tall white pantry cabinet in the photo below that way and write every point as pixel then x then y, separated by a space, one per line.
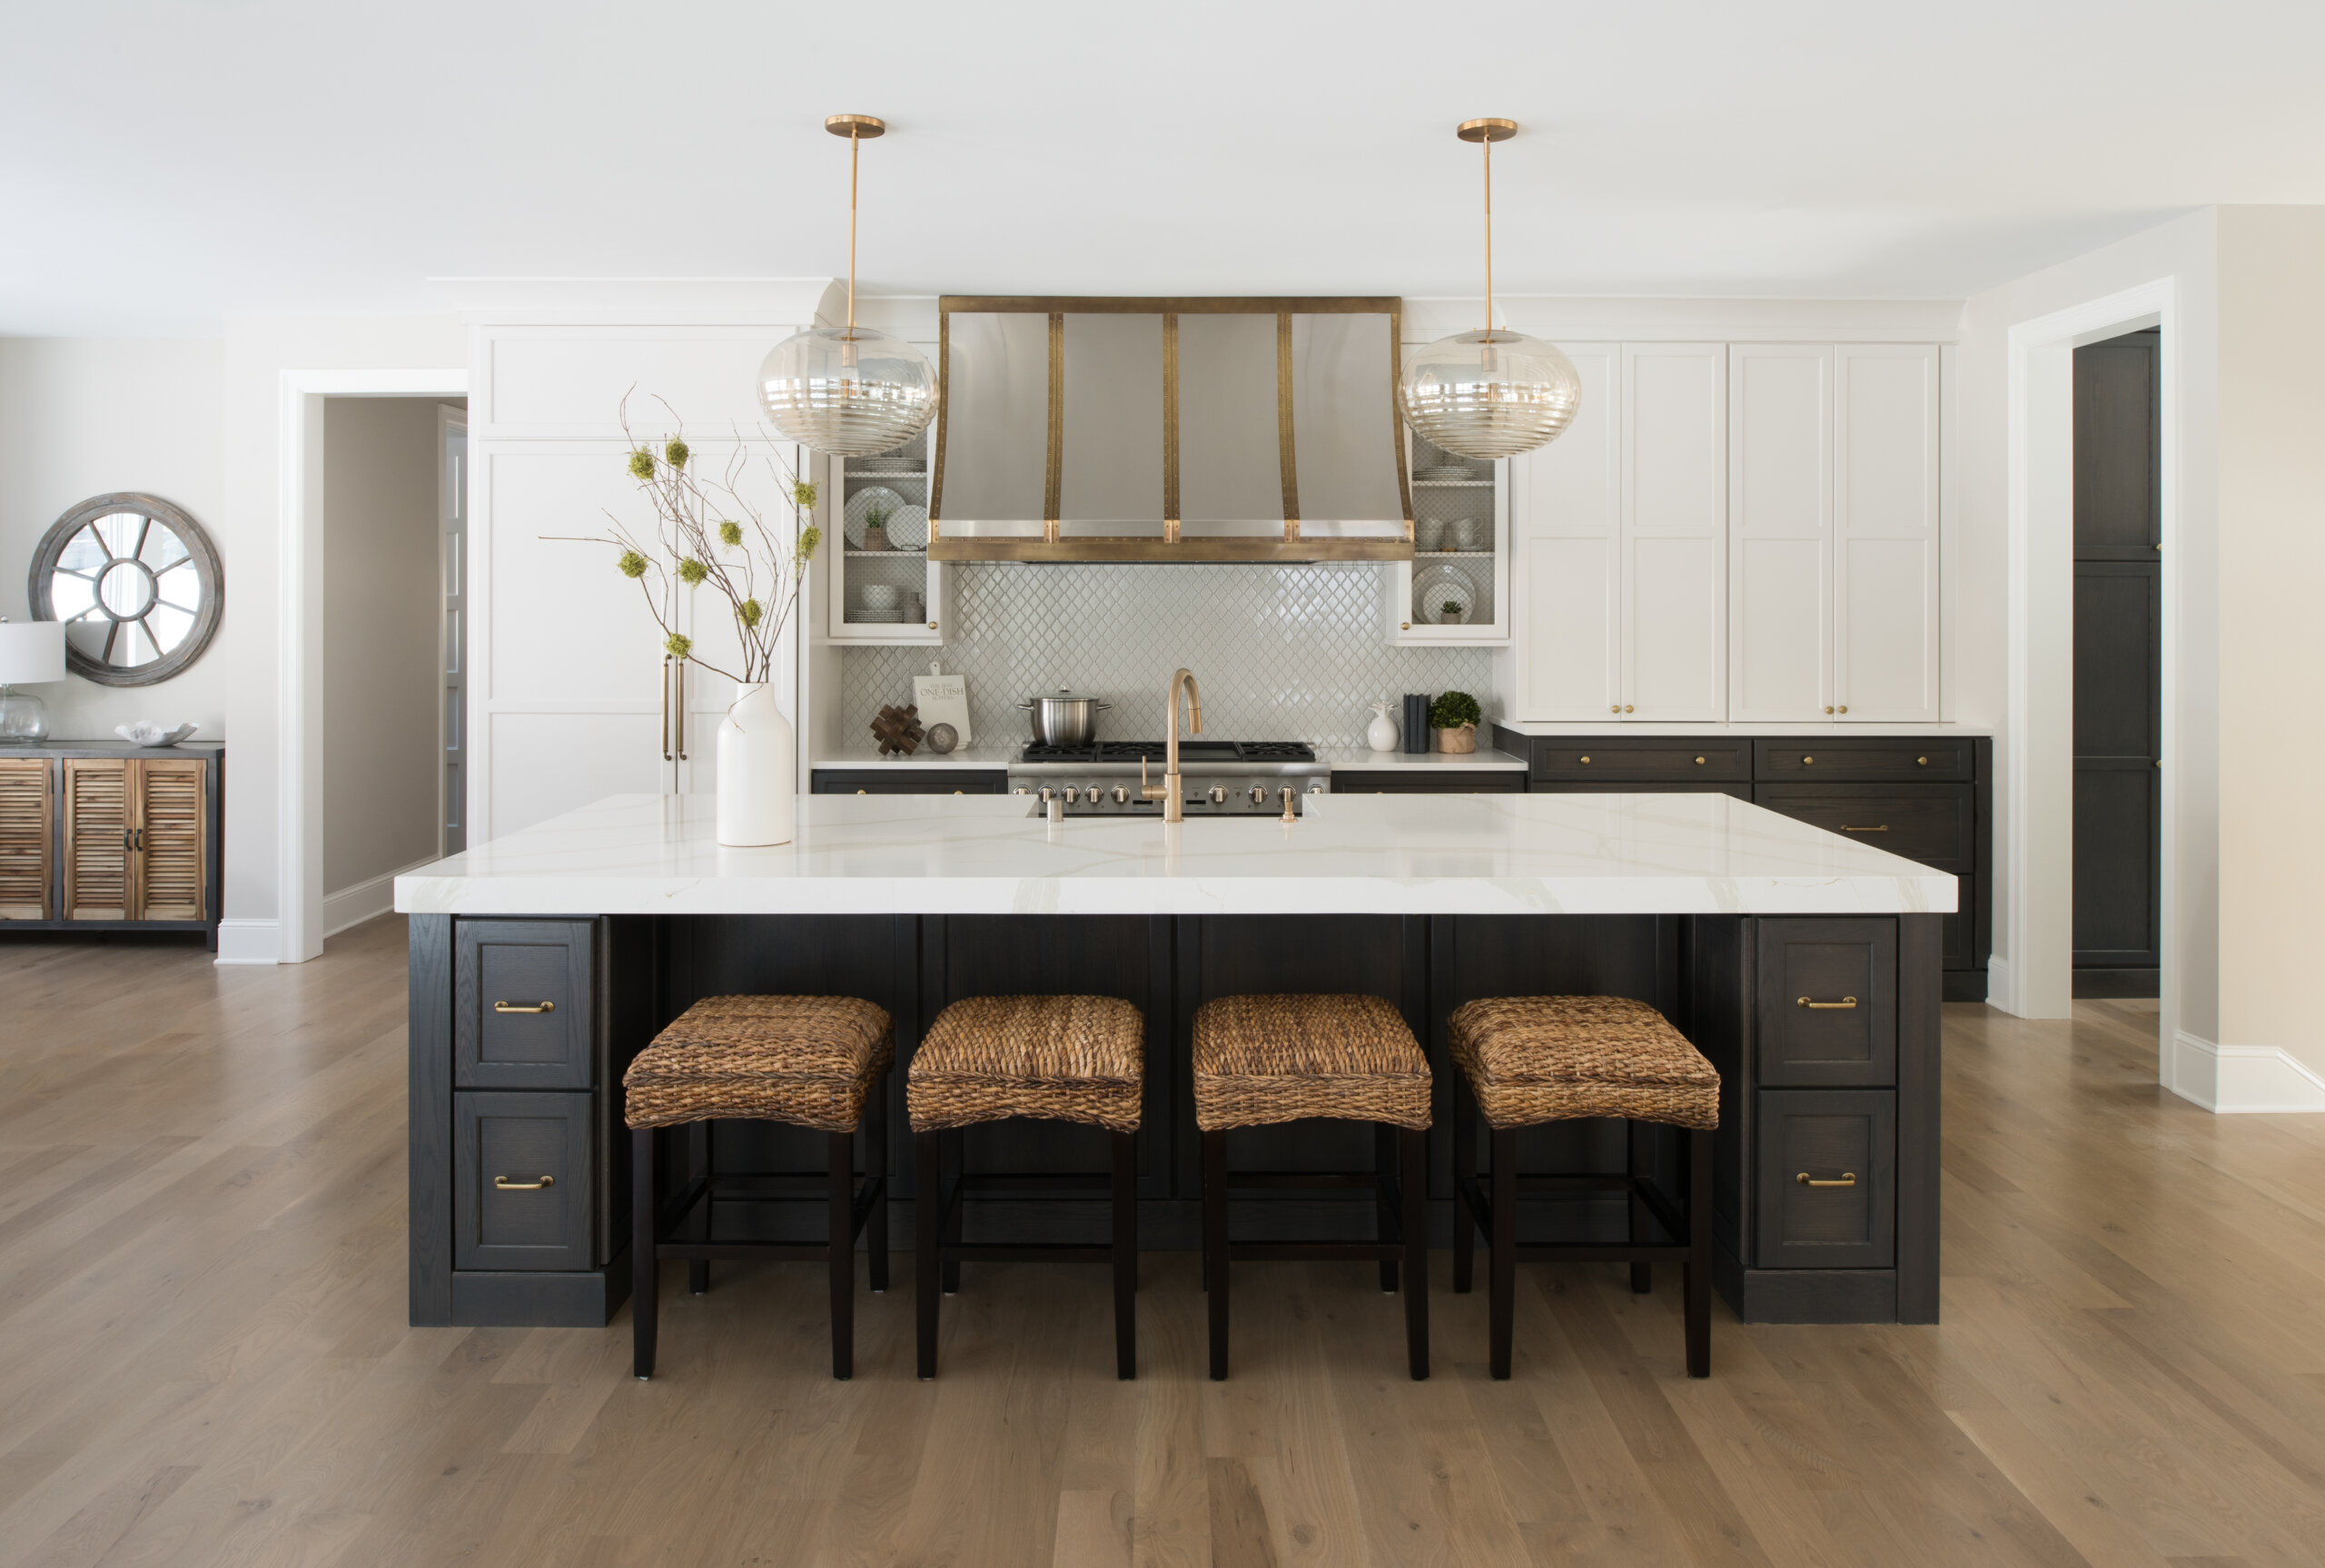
pixel 1743 532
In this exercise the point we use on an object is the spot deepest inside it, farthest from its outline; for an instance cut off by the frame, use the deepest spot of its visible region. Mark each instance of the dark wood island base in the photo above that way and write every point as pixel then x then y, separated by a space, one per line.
pixel 1825 1030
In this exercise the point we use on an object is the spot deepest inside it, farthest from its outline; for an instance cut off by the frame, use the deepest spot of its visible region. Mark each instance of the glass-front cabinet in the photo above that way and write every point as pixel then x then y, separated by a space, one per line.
pixel 1456 589
pixel 884 588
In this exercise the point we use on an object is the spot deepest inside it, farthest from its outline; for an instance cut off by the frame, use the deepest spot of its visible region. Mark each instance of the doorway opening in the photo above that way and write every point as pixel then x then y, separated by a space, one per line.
pixel 393 655
pixel 2118 666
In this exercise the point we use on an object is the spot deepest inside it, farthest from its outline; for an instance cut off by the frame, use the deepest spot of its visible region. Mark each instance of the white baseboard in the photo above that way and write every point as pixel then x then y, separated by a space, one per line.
pixel 366 900
pixel 2236 1080
pixel 2001 985
pixel 250 941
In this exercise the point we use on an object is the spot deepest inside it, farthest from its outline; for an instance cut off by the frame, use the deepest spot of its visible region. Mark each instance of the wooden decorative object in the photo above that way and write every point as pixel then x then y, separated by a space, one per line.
pixel 898 730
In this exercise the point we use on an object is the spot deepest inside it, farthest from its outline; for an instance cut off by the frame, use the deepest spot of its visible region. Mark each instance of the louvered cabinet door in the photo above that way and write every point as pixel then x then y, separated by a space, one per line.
pixel 169 847
pixel 99 812
pixel 24 838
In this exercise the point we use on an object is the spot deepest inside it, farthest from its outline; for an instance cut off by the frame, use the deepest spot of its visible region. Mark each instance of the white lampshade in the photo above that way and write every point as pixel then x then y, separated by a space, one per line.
pixel 31 651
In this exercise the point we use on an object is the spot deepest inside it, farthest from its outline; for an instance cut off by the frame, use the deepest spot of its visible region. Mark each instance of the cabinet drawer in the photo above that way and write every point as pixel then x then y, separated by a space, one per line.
pixel 1428 781
pixel 1658 759
pixel 1826 1135
pixel 1903 757
pixel 1932 824
pixel 1739 789
pixel 906 778
pixel 522 1192
pixel 1828 1002
pixel 521 1004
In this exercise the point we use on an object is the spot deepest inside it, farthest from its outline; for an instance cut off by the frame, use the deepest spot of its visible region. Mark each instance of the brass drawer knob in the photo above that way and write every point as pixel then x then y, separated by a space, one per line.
pixel 524 1007
pixel 1807 762
pixel 1626 707
pixel 1828 707
pixel 1848 1178
pixel 502 1184
pixel 1846 1002
pixel 1844 708
pixel 1924 761
pixel 1699 761
pixel 1585 761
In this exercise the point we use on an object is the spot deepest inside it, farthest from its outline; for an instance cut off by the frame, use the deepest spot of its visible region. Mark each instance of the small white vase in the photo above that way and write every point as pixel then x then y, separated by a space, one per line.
pixel 757 756
pixel 1380 734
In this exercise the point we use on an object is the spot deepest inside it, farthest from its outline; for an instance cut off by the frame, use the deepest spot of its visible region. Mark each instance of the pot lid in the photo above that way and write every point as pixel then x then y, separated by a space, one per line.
pixel 1063 695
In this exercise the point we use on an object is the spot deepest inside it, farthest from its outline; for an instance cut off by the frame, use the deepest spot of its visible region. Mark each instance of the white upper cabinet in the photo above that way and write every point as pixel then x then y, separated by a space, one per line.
pixel 1780 531
pixel 1885 532
pixel 1833 532
pixel 1566 541
pixel 1675 532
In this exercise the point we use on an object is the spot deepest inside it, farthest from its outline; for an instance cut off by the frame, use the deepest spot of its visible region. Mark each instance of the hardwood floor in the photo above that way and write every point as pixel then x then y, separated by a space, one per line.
pixel 204 1358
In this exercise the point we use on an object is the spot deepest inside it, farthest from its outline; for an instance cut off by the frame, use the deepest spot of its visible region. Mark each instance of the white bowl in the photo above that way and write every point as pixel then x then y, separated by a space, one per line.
pixel 880 596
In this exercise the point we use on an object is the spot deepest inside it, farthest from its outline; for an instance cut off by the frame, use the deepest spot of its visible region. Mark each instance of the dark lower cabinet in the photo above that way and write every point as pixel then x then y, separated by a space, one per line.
pixel 1428 781
pixel 910 778
pixel 1828 1002
pixel 1826 1186
pixel 522 1180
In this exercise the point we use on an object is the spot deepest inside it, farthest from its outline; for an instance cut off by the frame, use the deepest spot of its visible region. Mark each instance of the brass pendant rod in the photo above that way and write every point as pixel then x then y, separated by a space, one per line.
pixel 1487 142
pixel 854 143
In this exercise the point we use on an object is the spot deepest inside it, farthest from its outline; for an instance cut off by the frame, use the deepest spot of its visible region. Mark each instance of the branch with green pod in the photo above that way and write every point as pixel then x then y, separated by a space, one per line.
pixel 708 531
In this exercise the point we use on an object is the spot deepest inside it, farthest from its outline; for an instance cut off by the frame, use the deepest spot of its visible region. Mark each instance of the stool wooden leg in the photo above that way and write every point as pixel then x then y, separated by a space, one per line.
pixel 840 1251
pixel 928 1222
pixel 1465 1169
pixel 1503 1287
pixel 1412 1185
pixel 645 1276
pixel 955 1216
pixel 1384 1212
pixel 1125 1255
pixel 875 1168
pixel 1215 1245
pixel 1697 1286
pixel 1640 1136
pixel 698 1268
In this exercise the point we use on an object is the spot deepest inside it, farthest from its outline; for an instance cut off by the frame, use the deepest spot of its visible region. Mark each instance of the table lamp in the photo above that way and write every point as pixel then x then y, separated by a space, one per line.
pixel 29 651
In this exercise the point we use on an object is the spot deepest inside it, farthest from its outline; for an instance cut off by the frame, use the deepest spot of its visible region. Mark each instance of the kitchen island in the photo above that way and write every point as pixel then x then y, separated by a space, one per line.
pixel 541 963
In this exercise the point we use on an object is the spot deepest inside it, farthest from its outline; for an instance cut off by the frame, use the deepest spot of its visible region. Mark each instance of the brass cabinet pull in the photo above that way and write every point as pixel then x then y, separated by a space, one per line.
pixel 1699 761
pixel 1626 707
pixel 1585 761
pixel 1848 1178
pixel 1924 761
pixel 1807 762
pixel 524 1007
pixel 1845 1002
pixel 1828 707
pixel 1615 709
pixel 502 1184
pixel 1883 828
pixel 1844 708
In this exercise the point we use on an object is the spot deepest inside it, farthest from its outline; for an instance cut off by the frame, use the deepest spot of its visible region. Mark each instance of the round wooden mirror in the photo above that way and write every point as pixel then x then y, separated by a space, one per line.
pixel 135 580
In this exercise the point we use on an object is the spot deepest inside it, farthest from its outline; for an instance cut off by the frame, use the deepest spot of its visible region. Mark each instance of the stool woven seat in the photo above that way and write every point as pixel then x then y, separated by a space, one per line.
pixel 808 1061
pixel 1536 1059
pixel 1056 1057
pixel 1261 1059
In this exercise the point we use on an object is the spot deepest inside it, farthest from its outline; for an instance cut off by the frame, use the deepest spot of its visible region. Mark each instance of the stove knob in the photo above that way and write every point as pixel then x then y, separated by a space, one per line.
pixel 1316 787
pixel 1259 794
pixel 1070 795
pixel 1121 795
pixel 1019 790
pixel 1218 795
pixel 1048 793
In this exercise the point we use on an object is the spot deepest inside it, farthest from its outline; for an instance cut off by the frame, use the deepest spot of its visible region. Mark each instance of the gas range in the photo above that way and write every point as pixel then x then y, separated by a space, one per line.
pixel 1222 778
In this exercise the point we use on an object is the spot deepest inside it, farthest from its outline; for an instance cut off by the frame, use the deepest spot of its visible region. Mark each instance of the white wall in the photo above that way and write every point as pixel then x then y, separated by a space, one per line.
pixel 2183 250
pixel 2271 497
pixel 82 416
pixel 383 666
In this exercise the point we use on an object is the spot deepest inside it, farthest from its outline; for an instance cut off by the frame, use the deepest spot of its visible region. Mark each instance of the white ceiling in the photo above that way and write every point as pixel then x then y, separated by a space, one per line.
pixel 164 162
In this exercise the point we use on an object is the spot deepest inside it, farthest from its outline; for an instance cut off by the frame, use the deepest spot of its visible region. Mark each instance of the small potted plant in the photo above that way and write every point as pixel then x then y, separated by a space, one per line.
pixel 1452 612
pixel 1454 716
pixel 876 528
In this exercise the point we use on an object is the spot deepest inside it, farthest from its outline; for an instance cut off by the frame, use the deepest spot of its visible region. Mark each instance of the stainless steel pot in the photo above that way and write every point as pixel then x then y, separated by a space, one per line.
pixel 1063 718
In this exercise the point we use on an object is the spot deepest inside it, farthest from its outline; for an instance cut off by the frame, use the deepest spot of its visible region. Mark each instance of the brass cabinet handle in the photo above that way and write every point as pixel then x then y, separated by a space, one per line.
pixel 1848 1178
pixel 666 708
pixel 1845 1002
pixel 524 1007
pixel 1807 762
pixel 503 1184
pixel 1828 707
pixel 1844 708
pixel 1699 761
pixel 1626 707
pixel 1585 761
pixel 1883 828
pixel 1404 625
pixel 1924 761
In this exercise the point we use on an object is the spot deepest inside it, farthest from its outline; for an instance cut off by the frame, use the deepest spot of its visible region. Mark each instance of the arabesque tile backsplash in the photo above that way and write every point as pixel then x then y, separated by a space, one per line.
pixel 1281 652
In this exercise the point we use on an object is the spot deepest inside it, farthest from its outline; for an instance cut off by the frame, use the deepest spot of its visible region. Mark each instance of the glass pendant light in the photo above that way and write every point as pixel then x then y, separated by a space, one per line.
pixel 1488 394
pixel 848 390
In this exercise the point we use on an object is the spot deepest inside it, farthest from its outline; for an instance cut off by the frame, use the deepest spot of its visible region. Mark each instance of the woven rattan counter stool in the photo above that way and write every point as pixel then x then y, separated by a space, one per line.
pixel 1530 1060
pixel 1078 1058
pixel 1263 1060
pixel 813 1061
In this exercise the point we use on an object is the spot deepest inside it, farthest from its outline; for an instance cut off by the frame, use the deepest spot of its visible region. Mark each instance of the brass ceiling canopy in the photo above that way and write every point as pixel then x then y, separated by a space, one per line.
pixel 865 127
pixel 1476 129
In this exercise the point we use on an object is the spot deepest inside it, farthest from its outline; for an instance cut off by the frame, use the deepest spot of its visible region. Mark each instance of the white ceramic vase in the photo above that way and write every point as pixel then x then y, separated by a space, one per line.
pixel 1380 734
pixel 758 758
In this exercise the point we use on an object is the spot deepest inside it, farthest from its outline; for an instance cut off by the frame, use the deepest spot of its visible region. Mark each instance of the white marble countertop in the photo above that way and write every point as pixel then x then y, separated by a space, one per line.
pixel 991 854
pixel 1358 759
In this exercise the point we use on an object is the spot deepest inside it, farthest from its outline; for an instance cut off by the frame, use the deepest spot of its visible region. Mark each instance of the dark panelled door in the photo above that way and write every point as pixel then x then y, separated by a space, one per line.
pixel 2118 666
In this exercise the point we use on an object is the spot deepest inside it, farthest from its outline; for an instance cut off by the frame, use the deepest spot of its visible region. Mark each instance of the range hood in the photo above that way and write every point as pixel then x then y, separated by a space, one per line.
pixel 1169 430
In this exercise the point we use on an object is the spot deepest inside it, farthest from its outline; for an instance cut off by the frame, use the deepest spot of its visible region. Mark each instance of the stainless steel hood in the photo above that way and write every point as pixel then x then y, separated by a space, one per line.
pixel 1169 430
